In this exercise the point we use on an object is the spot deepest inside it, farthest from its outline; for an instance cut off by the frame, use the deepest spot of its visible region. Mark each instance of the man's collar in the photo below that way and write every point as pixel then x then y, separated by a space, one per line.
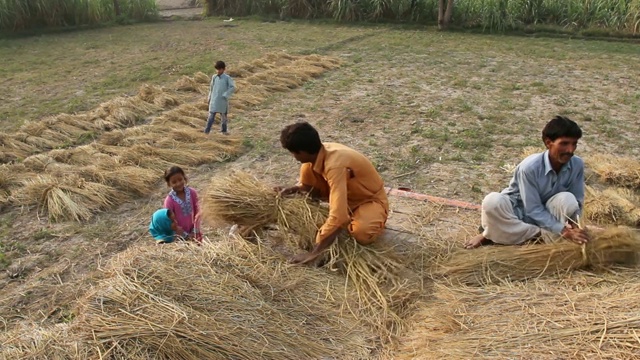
pixel 318 165
pixel 547 164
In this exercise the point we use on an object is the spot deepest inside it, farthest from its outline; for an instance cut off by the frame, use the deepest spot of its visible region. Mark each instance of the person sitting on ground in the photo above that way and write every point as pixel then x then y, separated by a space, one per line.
pixel 183 202
pixel 344 177
pixel 163 226
pixel 545 195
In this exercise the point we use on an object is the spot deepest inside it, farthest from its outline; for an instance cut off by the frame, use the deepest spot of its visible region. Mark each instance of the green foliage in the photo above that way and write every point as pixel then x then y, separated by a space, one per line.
pixel 492 15
pixel 27 14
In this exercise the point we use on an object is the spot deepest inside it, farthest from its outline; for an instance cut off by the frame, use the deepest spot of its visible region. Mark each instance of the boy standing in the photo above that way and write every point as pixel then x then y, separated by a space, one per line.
pixel 221 88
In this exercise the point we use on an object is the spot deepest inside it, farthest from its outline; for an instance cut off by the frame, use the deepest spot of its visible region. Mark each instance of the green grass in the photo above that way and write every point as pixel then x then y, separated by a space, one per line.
pixel 94 66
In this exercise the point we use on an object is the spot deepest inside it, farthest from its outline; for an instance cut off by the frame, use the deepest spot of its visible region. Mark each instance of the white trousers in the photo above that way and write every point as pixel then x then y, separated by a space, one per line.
pixel 502 226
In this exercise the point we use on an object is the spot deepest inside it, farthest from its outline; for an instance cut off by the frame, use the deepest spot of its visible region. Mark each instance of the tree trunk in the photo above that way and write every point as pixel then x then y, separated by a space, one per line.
pixel 440 13
pixel 448 13
pixel 210 4
pixel 116 7
pixel 444 15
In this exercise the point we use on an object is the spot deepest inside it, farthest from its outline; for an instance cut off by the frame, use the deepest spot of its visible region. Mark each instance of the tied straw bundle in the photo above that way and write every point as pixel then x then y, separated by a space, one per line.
pixel 385 287
pixel 495 264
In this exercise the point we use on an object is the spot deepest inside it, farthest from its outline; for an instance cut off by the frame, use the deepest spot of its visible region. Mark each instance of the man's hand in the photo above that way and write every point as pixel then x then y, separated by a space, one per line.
pixel 576 235
pixel 303 258
pixel 286 191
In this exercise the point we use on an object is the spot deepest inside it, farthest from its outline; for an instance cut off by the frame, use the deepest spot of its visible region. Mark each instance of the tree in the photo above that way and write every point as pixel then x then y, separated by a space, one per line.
pixel 116 7
pixel 444 13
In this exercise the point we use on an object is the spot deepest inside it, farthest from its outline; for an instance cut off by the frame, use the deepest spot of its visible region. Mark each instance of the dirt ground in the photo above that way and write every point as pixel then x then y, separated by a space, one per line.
pixel 439 113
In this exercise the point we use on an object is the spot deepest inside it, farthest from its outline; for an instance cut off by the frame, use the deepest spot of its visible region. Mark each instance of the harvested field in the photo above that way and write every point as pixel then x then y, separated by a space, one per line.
pixel 447 114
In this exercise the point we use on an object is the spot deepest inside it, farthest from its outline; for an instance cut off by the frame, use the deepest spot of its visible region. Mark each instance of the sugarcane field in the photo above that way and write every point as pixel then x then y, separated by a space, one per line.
pixel 192 179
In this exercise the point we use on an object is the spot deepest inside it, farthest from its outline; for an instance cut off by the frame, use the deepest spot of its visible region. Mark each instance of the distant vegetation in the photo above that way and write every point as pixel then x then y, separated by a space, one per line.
pixel 27 14
pixel 495 15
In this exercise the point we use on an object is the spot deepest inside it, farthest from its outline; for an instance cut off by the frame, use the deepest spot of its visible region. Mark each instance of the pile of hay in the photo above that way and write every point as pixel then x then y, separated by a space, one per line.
pixel 158 96
pixel 186 114
pixel 386 288
pixel 276 72
pixel 79 181
pixel 582 316
pixel 224 300
pixel 67 197
pixel 11 177
pixel 122 112
pixel 188 83
pixel 618 171
pixel 12 149
pixel 495 264
pixel 612 206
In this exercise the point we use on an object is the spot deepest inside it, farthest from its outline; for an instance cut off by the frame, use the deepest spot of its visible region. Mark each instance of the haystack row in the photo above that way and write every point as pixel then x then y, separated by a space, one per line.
pixel 256 81
pixel 262 77
pixel 75 183
pixel 64 130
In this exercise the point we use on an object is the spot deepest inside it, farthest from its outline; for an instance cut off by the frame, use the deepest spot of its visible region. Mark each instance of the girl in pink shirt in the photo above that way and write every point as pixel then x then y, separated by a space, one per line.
pixel 183 202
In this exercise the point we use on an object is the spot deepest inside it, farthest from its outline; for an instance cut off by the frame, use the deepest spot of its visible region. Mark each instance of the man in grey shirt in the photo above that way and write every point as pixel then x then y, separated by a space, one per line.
pixel 546 193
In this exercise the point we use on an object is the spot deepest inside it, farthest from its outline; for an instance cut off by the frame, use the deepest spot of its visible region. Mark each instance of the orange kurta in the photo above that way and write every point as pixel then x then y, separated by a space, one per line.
pixel 355 190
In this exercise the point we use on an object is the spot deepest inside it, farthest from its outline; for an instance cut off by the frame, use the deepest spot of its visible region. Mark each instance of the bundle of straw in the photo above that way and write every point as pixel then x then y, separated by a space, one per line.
pixel 68 197
pixel 619 171
pixel 73 126
pixel 495 264
pixel 186 83
pixel 81 121
pixel 384 291
pixel 228 300
pixel 123 111
pixel 10 177
pixel 612 206
pixel 158 96
pixel 13 148
pixel 202 78
pixel 37 142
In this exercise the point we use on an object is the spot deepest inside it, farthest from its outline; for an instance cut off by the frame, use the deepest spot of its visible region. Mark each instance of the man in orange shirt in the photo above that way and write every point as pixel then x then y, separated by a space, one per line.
pixel 355 190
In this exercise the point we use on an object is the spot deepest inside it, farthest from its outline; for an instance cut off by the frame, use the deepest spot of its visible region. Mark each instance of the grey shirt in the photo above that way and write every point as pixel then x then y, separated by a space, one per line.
pixel 534 182
pixel 220 90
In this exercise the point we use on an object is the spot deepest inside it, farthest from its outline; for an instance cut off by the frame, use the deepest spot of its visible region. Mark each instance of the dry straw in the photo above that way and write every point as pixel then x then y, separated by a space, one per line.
pixel 123 111
pixel 496 264
pixel 619 171
pixel 158 96
pixel 386 289
pixel 612 206
pixel 187 83
pixel 225 300
pixel 13 149
pixel 66 197
pixel 578 317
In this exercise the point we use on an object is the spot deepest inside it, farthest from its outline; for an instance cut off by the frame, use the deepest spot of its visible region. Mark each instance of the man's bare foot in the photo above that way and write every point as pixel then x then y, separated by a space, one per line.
pixel 477 241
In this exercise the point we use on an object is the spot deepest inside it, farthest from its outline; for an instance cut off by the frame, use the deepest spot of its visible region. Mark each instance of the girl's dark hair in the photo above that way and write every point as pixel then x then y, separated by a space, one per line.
pixel 220 65
pixel 561 126
pixel 169 213
pixel 172 171
pixel 300 137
